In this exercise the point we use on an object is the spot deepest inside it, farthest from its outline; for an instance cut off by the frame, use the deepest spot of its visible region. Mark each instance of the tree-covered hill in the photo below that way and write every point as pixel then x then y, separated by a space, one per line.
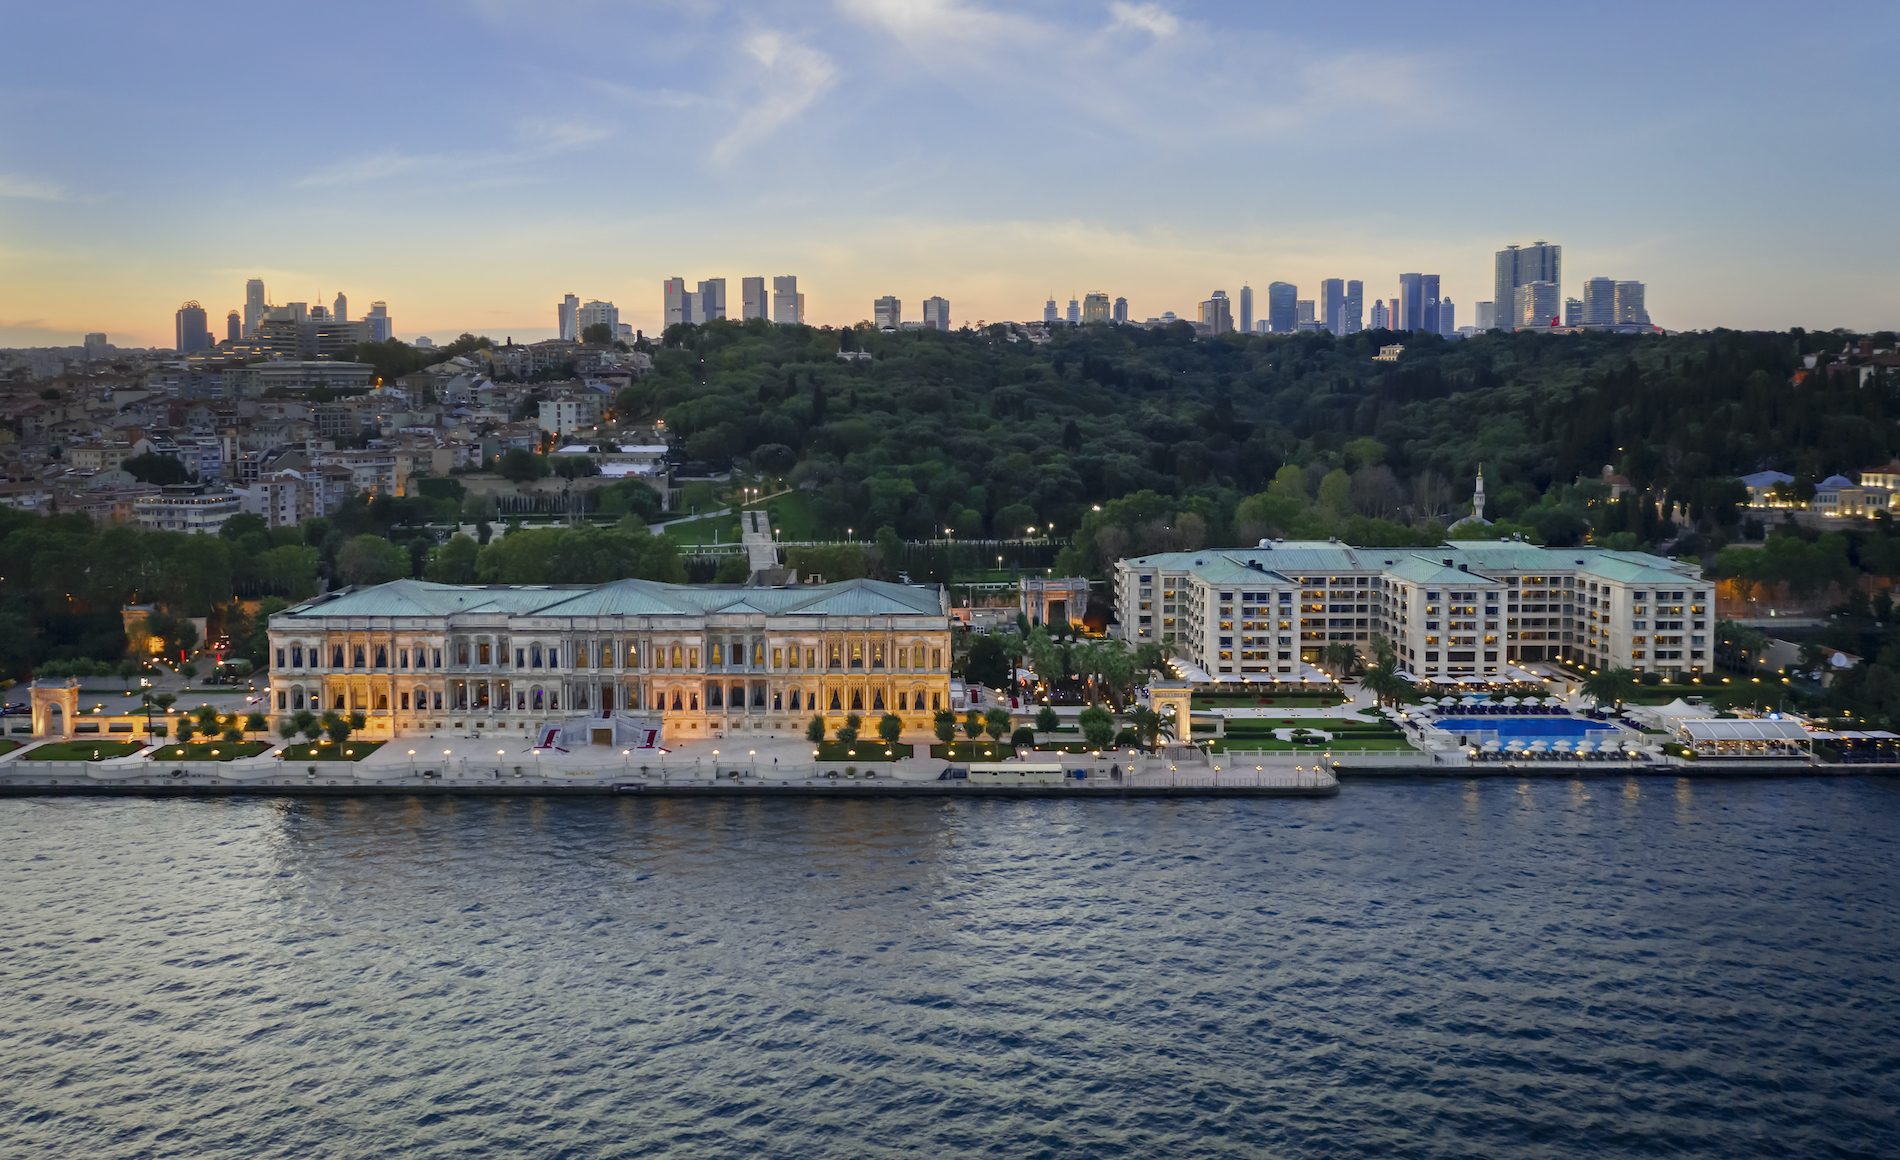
pixel 987 435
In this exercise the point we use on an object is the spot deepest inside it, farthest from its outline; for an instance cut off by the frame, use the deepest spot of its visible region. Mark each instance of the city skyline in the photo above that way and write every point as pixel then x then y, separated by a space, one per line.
pixel 741 144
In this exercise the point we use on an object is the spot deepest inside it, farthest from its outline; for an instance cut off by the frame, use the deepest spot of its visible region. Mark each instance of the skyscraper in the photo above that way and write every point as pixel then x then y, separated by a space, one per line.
pixel 1418 302
pixel 678 310
pixel 597 313
pixel 96 346
pixel 1332 303
pixel 380 324
pixel 1218 313
pixel 887 312
pixel 710 301
pixel 234 327
pixel 1121 310
pixel 1599 302
pixel 1447 320
pixel 1095 307
pixel 1075 313
pixel 1535 304
pixel 1306 312
pixel 1486 316
pixel 788 305
pixel 1379 319
pixel 253 305
pixel 936 314
pixel 752 300
pixel 1630 310
pixel 1246 309
pixel 1573 312
pixel 1519 265
pixel 564 313
pixel 192 332
pixel 1283 307
pixel 341 311
pixel 1353 309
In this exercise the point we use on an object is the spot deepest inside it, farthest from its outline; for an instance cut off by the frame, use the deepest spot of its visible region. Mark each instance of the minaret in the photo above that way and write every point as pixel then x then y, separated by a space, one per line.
pixel 1477 498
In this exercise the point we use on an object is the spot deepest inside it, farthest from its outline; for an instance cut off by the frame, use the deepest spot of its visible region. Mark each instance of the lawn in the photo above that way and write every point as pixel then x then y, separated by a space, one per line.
pixel 1342 745
pixel 870 749
pixel 1294 700
pixel 792 517
pixel 705 532
pixel 9 746
pixel 330 751
pixel 81 750
pixel 210 751
pixel 1323 724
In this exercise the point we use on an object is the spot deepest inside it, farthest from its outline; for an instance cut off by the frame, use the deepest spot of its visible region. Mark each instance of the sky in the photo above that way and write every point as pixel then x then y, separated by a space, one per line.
pixel 471 161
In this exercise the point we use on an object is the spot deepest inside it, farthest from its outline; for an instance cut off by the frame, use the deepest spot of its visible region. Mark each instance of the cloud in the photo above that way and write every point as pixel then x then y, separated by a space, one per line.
pixel 13 185
pixel 788 77
pixel 1149 18
pixel 371 167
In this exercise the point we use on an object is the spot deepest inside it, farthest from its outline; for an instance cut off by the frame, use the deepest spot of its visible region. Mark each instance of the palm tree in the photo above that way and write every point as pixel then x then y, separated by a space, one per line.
pixel 1382 651
pixel 1385 683
pixel 1610 685
pixel 1117 666
pixel 1149 726
pixel 1341 658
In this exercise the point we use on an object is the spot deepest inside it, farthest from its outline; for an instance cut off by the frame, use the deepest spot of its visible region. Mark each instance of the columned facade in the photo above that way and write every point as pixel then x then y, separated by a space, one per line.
pixel 705 660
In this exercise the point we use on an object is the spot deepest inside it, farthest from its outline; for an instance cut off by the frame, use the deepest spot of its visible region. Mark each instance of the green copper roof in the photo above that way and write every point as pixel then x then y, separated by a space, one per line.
pixel 626 598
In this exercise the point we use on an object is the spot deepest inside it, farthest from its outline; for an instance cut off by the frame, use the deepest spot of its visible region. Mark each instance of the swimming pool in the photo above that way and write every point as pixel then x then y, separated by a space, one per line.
pixel 1524 728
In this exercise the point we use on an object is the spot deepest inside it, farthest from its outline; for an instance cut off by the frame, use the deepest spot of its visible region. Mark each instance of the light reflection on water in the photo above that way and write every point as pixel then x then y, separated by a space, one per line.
pixel 1506 968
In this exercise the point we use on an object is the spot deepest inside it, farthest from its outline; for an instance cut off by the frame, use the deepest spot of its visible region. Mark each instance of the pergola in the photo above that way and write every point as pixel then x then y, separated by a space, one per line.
pixel 1745 737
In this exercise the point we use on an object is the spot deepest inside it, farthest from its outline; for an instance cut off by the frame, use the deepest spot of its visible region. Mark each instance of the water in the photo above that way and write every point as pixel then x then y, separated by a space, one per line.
pixel 1429 969
pixel 1525 728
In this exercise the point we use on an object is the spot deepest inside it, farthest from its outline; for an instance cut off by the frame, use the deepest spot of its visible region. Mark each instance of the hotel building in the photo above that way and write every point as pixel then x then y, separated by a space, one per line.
pixel 1460 612
pixel 705 660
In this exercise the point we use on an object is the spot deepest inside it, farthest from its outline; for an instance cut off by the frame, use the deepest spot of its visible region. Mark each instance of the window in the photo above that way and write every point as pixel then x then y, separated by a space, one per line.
pixel 738 654
pixel 857 700
pixel 402 658
pixel 917 657
pixel 857 655
pixel 936 658
pixel 835 707
pixel 676 658
pixel 280 658
pixel 877 656
pixel 794 700
pixel 437 699
pixel 382 656
pixel 521 658
pixel 356 655
pixel 461 654
pixel 718 659
pixel 281 699
pixel 778 658
pixel 534 656
pixel 811 659
pixel 336 657
pixel 837 656
pixel 692 660
pixel 484 653
pixel 435 662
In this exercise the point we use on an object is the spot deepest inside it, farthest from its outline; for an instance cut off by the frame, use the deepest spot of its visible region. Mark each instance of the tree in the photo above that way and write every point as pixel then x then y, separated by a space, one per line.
pixel 337 726
pixel 890 727
pixel 311 725
pixel 944 725
pixel 996 722
pixel 848 732
pixel 815 729
pixel 1046 719
pixel 986 665
pixel 152 467
pixel 597 333
pixel 1098 726
pixel 454 562
pixel 1150 726
pixel 1385 683
pixel 185 730
pixel 1609 686
pixel 973 724
pixel 366 560
pixel 522 466
pixel 255 723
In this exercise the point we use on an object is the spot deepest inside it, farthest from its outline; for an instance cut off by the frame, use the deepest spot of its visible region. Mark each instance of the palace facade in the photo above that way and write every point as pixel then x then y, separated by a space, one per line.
pixel 705 660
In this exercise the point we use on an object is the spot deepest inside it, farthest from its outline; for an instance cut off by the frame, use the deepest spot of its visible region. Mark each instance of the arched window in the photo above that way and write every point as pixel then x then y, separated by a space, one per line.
pixel 296 697
pixel 794 700
pixel 692 701
pixel 778 702
pixel 857 699
pixel 834 701
pixel 421 653
pixel 877 699
pixel 422 699
pixel 382 658
pixel 676 656
pixel 382 701
pixel 676 700
pixel 916 700
pixel 538 697
pixel 554 700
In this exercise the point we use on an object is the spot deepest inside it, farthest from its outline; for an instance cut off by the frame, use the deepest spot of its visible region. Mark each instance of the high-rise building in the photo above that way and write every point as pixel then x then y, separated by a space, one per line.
pixel 887 312
pixel 1573 312
pixel 564 317
pixel 96 346
pixel 1246 309
pixel 234 327
pixel 1447 321
pixel 1218 313
pixel 1095 307
pixel 1418 302
pixel 381 327
pixel 1121 310
pixel 752 300
pixel 1075 313
pixel 1535 304
pixel 1486 316
pixel 1599 302
pixel 1392 314
pixel 1283 307
pixel 191 330
pixel 1519 265
pixel 1306 306
pixel 1049 312
pixel 253 305
pixel 1630 310
pixel 678 309
pixel 596 313
pixel 341 311
pixel 709 302
pixel 936 314
pixel 1332 303
pixel 1353 309
pixel 1379 319
pixel 788 305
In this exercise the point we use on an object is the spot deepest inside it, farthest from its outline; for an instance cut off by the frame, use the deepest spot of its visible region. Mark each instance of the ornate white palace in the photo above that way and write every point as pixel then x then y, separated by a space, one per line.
pixel 706 660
